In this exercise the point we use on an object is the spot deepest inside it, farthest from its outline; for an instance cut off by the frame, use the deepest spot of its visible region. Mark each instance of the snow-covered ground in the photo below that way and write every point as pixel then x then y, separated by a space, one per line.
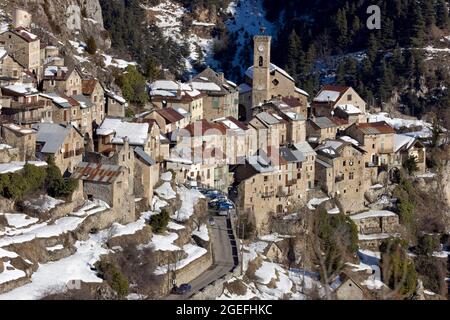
pixel 272 280
pixel 202 233
pixel 189 198
pixel 369 261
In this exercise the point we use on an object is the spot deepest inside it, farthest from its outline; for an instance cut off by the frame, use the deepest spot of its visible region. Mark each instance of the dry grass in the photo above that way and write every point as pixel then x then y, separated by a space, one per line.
pixel 237 287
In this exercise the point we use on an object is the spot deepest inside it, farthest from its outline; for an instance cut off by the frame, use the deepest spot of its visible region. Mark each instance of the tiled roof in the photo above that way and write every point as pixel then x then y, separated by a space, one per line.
pixel 170 115
pixel 375 128
pixel 88 86
pixel 96 172
pixel 203 127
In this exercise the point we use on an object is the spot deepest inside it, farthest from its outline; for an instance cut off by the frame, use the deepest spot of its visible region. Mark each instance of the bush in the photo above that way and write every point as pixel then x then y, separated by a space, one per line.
pixel 113 276
pixel 432 272
pixel 160 221
pixel 56 185
pixel 91 45
pixel 410 165
pixel 399 272
pixel 133 86
pixel 427 244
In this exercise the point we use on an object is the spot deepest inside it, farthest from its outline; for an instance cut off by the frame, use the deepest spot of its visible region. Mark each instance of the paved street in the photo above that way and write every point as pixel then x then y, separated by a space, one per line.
pixel 224 247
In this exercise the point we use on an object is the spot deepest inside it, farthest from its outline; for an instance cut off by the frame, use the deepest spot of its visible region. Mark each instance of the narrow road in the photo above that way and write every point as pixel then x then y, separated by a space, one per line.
pixel 224 255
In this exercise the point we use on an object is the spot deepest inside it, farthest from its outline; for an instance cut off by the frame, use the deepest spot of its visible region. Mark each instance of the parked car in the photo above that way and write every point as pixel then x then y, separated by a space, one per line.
pixel 182 289
pixel 214 202
pixel 224 206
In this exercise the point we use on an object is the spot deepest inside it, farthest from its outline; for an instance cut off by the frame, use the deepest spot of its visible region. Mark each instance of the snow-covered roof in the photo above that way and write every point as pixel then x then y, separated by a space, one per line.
pixel 23 89
pixel 273 67
pixel 327 95
pixel 169 85
pixel 301 91
pixel 401 140
pixel 349 139
pixel 137 133
pixel 349 109
pixel 373 214
pixel 205 86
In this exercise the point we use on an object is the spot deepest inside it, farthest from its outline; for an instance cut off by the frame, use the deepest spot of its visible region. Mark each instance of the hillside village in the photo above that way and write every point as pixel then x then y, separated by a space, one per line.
pixel 100 202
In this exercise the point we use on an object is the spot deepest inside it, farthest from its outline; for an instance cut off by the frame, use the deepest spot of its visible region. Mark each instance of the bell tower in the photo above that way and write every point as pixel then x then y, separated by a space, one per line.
pixel 261 69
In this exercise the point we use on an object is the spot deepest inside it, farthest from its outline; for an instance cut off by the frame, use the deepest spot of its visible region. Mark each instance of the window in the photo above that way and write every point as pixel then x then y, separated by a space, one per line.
pixel 344 163
pixel 266 178
pixel 261 61
pixel 349 97
pixel 215 103
pixel 275 82
pixel 351 176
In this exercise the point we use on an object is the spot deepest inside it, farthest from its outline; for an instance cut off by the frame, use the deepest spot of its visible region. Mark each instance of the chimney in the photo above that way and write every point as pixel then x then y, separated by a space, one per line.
pixel 179 90
pixel 221 77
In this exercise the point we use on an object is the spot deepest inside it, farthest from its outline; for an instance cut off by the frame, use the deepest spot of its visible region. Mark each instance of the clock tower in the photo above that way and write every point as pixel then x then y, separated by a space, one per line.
pixel 261 69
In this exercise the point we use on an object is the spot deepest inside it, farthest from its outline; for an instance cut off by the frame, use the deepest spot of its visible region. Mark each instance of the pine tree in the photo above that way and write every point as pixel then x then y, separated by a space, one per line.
pixel 442 18
pixel 293 54
pixel 429 13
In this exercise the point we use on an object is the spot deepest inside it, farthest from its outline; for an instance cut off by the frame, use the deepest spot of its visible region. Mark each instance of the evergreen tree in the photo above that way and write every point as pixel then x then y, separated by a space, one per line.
pixel 293 54
pixel 442 18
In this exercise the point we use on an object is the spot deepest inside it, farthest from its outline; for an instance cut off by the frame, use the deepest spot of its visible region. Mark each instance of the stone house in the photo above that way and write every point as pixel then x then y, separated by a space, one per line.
pixel 93 90
pixel 114 131
pixel 319 129
pixel 331 96
pixel 24 139
pixel 64 80
pixel 11 71
pixel 271 128
pixel 67 109
pixel 24 47
pixel 133 146
pixel 109 183
pixel 168 93
pixel 340 172
pixel 272 184
pixel 349 289
pixel 221 96
pixel 115 105
pixel 377 139
pixel 240 140
pixel 264 80
pixel 405 147
pixel 64 142
pixel 21 104
pixel 169 119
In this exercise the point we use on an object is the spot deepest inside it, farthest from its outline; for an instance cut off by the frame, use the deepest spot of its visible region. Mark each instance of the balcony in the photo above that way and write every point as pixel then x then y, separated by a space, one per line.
pixel 265 195
pixel 291 182
pixel 284 192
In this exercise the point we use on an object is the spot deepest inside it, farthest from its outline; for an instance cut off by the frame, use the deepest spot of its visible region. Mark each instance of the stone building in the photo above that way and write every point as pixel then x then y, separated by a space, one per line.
pixel 109 183
pixel 349 289
pixel 377 139
pixel 405 147
pixel 24 139
pixel 222 96
pixel 340 172
pixel 21 104
pixel 168 93
pixel 322 128
pixel 115 105
pixel 93 90
pixel 24 47
pixel 265 81
pixel 346 98
pixel 64 142
pixel 274 183
pixel 64 80
pixel 11 71
pixel 169 119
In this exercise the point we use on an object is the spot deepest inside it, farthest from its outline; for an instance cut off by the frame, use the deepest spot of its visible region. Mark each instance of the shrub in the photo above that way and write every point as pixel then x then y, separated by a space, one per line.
pixel 56 185
pixel 91 45
pixel 113 276
pixel 398 270
pixel 160 221
pixel 427 244
pixel 432 272
pixel 410 165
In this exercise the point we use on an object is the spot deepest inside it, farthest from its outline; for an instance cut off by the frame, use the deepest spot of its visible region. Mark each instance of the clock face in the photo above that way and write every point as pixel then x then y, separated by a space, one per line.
pixel 261 48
